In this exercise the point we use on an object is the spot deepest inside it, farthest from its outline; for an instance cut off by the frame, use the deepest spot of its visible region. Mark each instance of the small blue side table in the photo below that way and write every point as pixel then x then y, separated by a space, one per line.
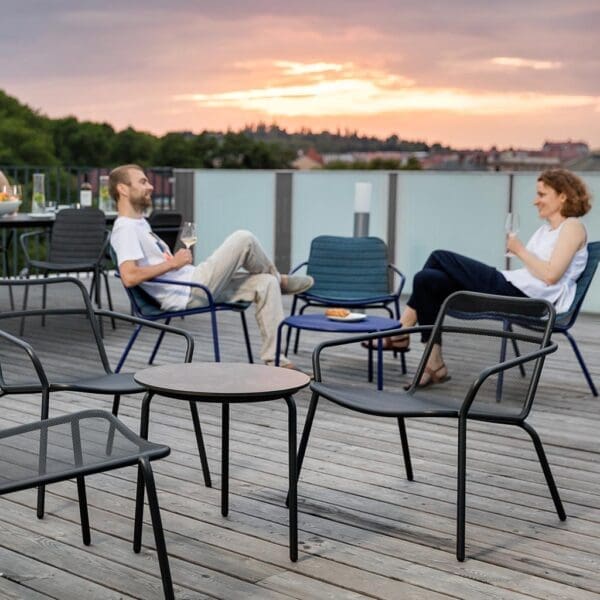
pixel 320 322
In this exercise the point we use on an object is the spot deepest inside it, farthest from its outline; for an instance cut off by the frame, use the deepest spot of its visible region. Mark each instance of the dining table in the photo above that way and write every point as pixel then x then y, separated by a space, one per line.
pixel 10 226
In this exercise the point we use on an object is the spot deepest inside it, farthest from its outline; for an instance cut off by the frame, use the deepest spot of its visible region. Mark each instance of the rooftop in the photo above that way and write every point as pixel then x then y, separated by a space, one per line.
pixel 365 531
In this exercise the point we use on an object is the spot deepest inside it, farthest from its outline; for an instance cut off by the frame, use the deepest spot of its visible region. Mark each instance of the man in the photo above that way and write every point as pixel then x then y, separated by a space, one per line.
pixel 143 256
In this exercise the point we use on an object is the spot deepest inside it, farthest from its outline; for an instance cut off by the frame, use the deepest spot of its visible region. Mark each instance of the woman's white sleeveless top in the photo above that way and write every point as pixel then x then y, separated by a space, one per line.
pixel 561 293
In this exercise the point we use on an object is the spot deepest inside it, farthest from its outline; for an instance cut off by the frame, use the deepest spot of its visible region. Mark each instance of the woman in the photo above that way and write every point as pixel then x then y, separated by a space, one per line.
pixel 553 260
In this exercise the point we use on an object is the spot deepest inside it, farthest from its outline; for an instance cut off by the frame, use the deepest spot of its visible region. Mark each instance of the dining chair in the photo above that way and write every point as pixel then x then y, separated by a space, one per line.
pixel 78 244
pixel 74 446
pixel 471 342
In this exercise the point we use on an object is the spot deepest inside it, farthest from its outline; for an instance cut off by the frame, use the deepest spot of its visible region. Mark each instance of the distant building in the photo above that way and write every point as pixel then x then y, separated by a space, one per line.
pixel 350 157
pixel 310 159
pixel 566 151
pixel 521 160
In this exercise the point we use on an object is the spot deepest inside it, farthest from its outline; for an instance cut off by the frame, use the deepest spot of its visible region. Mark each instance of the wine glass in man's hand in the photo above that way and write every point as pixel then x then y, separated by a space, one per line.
pixel 188 235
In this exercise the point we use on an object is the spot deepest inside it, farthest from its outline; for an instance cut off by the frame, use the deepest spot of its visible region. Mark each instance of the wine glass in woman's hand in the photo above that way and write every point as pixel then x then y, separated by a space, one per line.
pixel 511 226
pixel 188 235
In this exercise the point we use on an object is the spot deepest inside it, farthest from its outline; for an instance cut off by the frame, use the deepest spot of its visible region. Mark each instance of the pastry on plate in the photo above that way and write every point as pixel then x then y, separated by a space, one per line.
pixel 337 312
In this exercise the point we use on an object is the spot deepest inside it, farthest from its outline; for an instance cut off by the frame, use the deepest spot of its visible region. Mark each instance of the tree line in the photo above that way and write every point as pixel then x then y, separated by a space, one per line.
pixel 28 137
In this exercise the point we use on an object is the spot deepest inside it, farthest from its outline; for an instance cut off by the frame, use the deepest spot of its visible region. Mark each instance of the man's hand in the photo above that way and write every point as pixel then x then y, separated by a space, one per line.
pixel 181 258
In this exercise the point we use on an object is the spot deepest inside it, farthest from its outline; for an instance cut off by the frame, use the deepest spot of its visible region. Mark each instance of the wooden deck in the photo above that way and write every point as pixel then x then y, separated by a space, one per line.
pixel 365 531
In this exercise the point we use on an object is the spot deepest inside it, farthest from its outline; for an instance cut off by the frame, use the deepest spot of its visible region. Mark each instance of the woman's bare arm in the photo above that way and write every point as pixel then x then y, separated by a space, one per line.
pixel 571 238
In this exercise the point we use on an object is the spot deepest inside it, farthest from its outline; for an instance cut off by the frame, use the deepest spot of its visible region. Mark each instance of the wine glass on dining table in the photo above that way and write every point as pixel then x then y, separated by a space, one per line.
pixel 188 234
pixel 511 226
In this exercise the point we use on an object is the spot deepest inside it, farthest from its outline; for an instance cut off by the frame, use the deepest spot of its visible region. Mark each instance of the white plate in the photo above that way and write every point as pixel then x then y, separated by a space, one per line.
pixel 41 215
pixel 349 318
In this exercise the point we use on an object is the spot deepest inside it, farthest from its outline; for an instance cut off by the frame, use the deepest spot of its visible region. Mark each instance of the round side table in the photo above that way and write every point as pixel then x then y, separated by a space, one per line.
pixel 225 383
pixel 370 324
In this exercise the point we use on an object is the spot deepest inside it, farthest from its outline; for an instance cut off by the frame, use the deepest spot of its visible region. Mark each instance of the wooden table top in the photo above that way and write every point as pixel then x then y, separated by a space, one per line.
pixel 236 382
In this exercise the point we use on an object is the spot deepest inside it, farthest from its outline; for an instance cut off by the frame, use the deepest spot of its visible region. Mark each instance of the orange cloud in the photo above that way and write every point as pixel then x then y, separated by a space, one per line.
pixel 519 63
pixel 322 89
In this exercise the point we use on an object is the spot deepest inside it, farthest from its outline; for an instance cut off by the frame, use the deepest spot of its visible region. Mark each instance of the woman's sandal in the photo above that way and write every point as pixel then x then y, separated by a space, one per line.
pixel 434 376
pixel 397 343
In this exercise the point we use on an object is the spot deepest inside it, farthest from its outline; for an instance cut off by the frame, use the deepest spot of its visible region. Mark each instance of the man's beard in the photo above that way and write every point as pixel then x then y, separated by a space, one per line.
pixel 142 202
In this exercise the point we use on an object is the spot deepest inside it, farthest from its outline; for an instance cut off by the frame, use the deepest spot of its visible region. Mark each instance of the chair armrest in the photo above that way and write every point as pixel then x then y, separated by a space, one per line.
pixel 37 365
pixel 500 367
pixel 298 267
pixel 23 239
pixel 316 355
pixel 153 325
pixel 401 277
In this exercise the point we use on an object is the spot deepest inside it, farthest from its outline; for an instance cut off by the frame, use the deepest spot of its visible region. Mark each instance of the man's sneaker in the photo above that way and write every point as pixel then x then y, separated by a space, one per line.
pixel 296 284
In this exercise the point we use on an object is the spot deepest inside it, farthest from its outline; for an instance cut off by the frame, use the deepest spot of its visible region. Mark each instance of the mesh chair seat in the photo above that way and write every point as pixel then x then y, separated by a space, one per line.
pixel 70 445
pixel 109 383
pixel 77 445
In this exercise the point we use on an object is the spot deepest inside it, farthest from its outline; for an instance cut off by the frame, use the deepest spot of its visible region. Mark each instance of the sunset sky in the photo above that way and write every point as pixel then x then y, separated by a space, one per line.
pixel 461 72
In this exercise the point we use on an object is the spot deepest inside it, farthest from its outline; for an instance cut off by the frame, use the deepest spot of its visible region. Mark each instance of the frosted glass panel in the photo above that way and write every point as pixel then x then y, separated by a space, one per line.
pixel 227 200
pixel 463 212
pixel 323 204
pixel 454 211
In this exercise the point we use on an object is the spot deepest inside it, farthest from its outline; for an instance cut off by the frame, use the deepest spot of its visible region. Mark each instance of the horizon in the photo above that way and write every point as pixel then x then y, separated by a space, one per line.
pixel 466 78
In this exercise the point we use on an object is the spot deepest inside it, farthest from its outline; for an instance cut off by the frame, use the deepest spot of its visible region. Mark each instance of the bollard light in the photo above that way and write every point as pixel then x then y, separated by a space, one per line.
pixel 362 208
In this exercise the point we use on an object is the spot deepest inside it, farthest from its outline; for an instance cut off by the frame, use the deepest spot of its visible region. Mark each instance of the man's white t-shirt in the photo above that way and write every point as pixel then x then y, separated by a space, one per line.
pixel 133 239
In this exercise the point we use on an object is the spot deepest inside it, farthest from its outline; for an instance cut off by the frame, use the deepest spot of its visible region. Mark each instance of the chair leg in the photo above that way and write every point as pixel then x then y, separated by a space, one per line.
pixel 225 458
pixel 310 415
pixel 83 511
pixel 130 343
pixel 161 335
pixel 297 338
pixel 200 444
pixel 516 350
pixel 562 515
pixel 289 331
pixel 44 298
pixel 582 364
pixel 109 297
pixel 461 485
pixel 405 449
pixel 111 431
pixel 215 335
pixel 159 537
pixel 246 337
pixel 292 496
pixel 95 295
pixel 41 491
pixel 24 307
pixel 81 494
pixel 139 494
